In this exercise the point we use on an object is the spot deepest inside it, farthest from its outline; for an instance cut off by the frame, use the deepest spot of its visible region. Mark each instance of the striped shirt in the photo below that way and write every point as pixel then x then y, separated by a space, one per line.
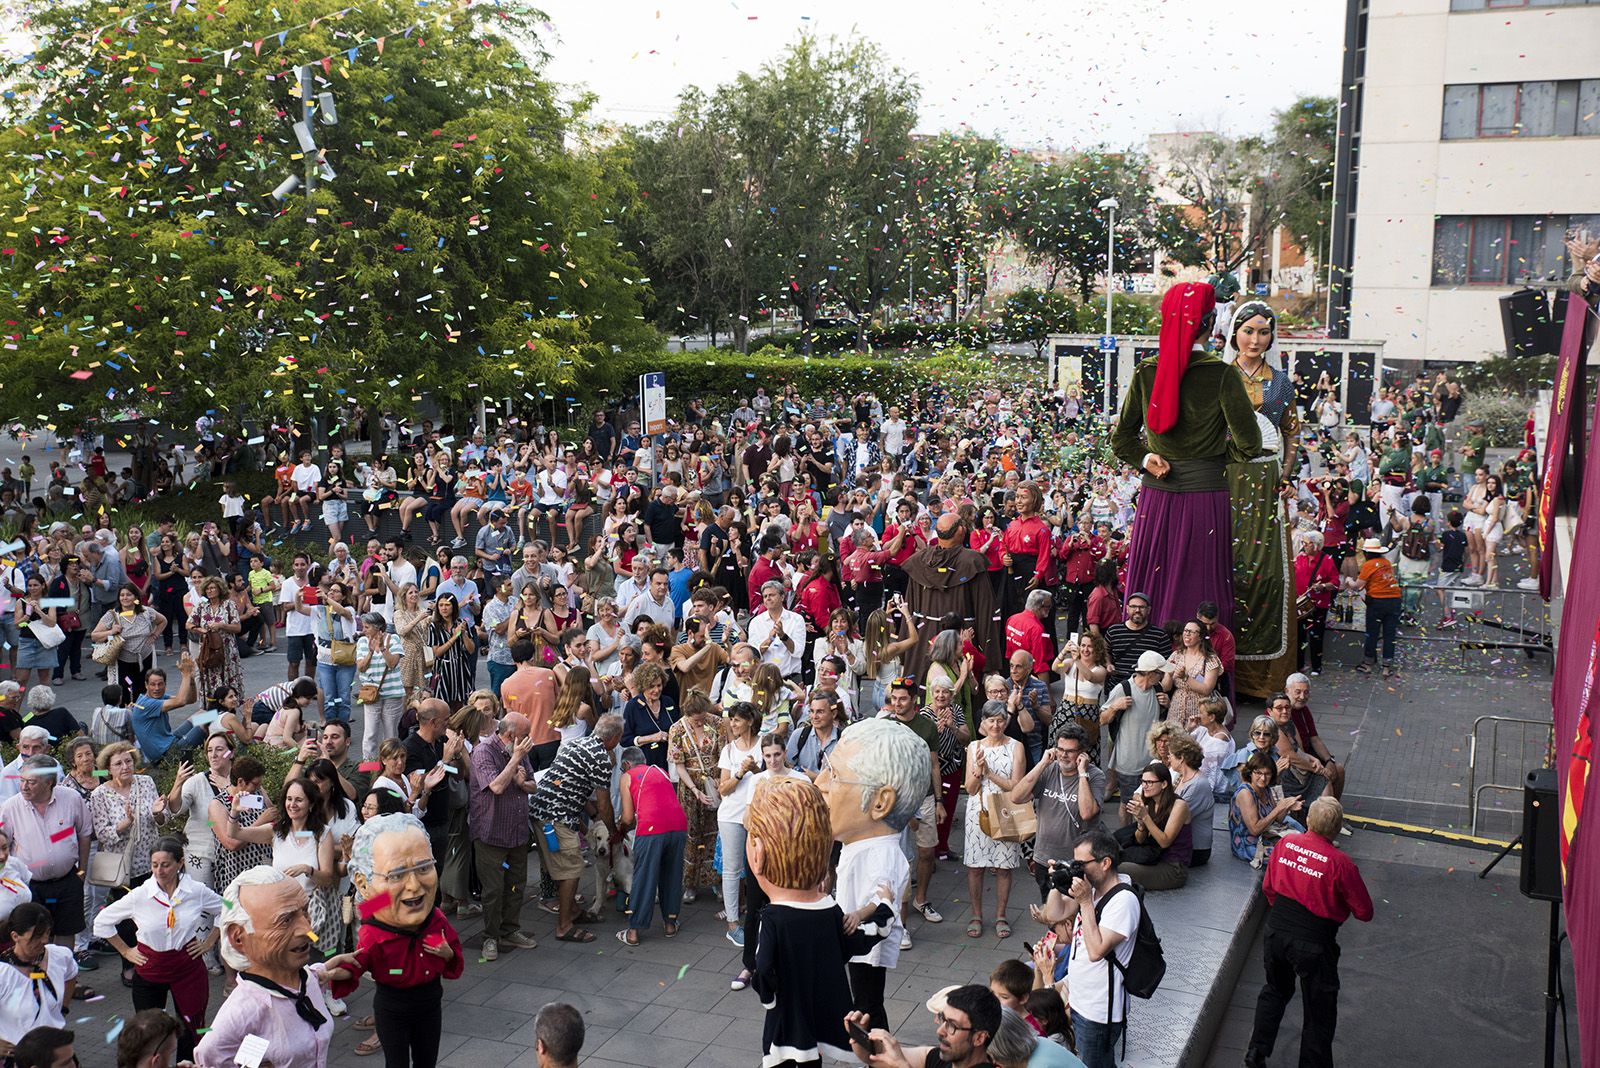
pixel 582 766
pixel 1127 644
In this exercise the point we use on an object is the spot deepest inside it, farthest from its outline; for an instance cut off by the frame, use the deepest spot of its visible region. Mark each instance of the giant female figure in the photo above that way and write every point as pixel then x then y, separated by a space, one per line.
pixel 1184 418
pixel 1263 590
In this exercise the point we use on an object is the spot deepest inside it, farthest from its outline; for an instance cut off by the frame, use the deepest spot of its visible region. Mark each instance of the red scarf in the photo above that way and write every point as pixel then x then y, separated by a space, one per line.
pixel 1182 311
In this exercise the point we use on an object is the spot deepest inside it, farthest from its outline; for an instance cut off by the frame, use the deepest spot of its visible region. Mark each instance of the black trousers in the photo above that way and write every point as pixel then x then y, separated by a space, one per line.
pixel 408 1021
pixel 867 982
pixel 147 994
pixel 755 899
pixel 1075 605
pixel 1316 966
pixel 1313 635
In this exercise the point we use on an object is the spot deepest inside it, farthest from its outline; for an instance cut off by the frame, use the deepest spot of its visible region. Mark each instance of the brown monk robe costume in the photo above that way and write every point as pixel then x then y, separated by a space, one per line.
pixel 947 577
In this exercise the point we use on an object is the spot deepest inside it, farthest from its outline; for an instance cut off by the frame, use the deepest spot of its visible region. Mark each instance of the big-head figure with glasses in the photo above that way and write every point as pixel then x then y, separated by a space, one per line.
pixel 405 943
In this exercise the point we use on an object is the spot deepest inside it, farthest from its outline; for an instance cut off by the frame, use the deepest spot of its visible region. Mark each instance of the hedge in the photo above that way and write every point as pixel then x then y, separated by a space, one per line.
pixel 718 375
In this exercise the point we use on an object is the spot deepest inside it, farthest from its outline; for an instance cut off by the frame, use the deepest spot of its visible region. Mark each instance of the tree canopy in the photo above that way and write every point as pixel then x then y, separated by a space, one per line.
pixel 467 241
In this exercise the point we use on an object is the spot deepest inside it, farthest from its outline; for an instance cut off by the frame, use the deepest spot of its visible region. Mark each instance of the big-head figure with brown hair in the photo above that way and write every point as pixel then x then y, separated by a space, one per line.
pixel 804 937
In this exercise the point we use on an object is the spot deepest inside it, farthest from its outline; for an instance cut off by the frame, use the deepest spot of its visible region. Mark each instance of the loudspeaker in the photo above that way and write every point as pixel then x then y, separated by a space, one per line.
pixel 1541 844
pixel 1525 319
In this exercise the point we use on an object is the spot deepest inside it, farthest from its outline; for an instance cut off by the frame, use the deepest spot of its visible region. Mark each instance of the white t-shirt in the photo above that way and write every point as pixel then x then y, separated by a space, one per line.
pixel 1086 979
pixel 894 435
pixel 862 866
pixel 232 507
pixel 401 571
pixel 295 623
pixel 736 804
pixel 306 477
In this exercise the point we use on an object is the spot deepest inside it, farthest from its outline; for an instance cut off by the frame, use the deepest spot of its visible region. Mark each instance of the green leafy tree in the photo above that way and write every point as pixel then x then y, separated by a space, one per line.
pixel 957 182
pixel 1032 315
pixel 1052 211
pixel 1303 141
pixel 819 135
pixel 466 243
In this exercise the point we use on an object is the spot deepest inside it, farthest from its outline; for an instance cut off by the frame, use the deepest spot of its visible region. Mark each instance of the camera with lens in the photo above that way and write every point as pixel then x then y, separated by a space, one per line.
pixel 1062 875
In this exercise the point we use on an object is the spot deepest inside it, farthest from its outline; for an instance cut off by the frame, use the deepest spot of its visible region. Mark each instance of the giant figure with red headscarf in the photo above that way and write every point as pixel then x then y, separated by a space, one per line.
pixel 1185 417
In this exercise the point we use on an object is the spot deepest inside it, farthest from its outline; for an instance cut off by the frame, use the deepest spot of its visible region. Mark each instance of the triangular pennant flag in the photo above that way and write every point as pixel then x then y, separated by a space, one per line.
pixel 327 64
pixel 380 45
pixel 258 47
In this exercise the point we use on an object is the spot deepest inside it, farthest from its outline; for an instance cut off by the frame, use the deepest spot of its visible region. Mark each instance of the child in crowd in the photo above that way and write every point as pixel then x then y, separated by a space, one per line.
pixel 1452 562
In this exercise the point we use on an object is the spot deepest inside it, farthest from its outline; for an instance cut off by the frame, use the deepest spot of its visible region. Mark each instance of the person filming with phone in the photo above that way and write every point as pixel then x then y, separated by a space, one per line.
pixel 965 1019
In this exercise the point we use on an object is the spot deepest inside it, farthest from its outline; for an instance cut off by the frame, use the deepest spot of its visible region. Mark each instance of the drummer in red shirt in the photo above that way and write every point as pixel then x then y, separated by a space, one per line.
pixel 1312 888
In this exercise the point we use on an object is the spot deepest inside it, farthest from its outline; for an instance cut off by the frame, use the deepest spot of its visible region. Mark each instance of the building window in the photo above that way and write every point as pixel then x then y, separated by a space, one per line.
pixel 1522 109
pixel 1506 5
pixel 1501 250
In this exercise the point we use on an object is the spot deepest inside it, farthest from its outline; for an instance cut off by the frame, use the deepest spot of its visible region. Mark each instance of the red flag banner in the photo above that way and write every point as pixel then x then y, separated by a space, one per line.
pixel 1577 665
pixel 1568 399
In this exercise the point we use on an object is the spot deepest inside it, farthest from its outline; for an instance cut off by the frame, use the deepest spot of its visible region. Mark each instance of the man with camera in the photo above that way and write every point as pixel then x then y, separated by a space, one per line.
pixel 1104 923
pixel 1066 791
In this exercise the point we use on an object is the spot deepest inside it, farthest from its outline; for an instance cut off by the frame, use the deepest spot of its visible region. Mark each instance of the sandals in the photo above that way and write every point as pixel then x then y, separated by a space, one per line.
pixel 366 1023
pixel 1002 927
pixel 628 936
pixel 587 916
pixel 576 934
pixel 740 981
pixel 975 928
pixel 368 1046
pixel 672 929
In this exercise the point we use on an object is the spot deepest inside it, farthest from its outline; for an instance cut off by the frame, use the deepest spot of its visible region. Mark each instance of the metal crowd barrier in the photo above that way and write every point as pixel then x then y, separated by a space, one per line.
pixel 1545 736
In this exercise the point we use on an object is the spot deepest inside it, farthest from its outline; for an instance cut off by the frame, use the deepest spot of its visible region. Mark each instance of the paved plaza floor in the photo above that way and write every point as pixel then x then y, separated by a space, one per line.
pixel 1468 954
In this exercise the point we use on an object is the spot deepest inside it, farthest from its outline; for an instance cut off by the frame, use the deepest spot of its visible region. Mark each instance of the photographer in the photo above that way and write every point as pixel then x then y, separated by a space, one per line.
pixel 1104 921
pixel 1066 791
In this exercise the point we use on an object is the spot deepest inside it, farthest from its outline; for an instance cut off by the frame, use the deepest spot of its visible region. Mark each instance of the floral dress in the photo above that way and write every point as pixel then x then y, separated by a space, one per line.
pixel 228 673
pixel 108 807
pixel 411 626
pixel 697 749
pixel 1185 702
pixel 981 850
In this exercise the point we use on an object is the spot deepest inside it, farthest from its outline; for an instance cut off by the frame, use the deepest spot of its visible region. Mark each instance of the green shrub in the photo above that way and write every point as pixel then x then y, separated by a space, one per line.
pixel 1504 415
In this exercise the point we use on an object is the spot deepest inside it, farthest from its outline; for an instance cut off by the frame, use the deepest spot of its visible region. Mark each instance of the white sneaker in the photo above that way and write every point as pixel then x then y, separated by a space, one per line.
pixel 905 939
pixel 337 1007
pixel 1529 583
pixel 491 950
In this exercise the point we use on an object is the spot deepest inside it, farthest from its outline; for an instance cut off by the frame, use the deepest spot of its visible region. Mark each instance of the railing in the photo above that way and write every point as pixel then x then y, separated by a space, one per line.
pixel 1477 627
pixel 1545 736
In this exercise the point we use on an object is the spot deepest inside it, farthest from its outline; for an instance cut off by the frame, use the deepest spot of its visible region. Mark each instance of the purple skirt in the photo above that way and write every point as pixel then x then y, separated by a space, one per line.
pixel 1182 553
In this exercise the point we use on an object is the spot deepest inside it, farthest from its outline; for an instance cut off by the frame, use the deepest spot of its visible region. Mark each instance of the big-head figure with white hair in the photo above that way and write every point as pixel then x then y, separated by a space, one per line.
pixel 405 943
pixel 876 780
pixel 266 938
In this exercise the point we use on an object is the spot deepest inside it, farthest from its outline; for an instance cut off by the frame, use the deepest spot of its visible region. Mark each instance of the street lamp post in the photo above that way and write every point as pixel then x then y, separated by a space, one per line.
pixel 1110 204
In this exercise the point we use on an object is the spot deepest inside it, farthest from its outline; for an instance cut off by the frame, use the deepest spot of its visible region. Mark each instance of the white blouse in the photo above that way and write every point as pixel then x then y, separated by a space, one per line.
pixel 164 923
pixel 24 1010
pixel 14 889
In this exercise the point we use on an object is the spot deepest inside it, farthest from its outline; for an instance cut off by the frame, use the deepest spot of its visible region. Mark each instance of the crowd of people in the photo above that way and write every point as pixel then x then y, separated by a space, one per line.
pixel 667 621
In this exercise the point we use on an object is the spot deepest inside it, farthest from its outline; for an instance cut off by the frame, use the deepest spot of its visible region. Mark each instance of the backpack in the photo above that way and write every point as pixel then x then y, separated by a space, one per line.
pixel 1414 544
pixel 1148 965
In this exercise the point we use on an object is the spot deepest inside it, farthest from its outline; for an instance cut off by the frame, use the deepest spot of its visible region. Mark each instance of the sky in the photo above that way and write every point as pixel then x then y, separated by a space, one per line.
pixel 1036 73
